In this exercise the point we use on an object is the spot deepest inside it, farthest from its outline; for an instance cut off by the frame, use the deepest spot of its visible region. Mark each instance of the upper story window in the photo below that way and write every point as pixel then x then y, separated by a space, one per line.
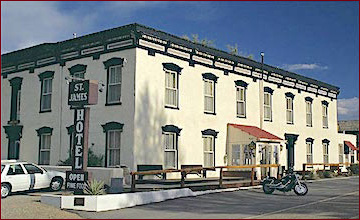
pixel 114 80
pixel 113 132
pixel 240 98
pixel 171 134
pixel 15 83
pixel 78 71
pixel 289 108
pixel 209 92
pixel 172 72
pixel 209 136
pixel 44 134
pixel 325 119
pixel 46 90
pixel 268 103
pixel 308 103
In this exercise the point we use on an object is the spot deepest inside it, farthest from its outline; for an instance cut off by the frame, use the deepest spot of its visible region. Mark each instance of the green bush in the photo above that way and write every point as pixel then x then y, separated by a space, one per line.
pixel 313 175
pixel 93 160
pixel 94 187
pixel 354 169
pixel 328 174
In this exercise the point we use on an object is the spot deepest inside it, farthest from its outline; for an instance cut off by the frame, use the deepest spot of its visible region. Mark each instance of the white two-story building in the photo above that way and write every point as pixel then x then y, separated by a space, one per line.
pixel 166 101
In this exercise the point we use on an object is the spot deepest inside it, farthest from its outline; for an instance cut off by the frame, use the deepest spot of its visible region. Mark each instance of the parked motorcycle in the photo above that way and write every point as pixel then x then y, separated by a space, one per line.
pixel 285 184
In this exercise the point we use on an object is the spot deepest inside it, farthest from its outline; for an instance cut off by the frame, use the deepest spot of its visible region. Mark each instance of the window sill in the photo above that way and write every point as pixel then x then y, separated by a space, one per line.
pixel 326 127
pixel 172 107
pixel 310 126
pixel 238 116
pixel 44 111
pixel 210 113
pixel 113 103
pixel 268 120
pixel 13 122
pixel 288 123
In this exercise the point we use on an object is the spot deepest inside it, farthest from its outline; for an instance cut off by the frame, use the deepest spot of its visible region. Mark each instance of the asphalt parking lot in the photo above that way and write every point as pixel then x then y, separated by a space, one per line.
pixel 332 198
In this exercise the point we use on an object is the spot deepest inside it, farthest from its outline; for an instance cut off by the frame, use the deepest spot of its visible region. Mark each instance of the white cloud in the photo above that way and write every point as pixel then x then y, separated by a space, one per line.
pixel 348 109
pixel 304 66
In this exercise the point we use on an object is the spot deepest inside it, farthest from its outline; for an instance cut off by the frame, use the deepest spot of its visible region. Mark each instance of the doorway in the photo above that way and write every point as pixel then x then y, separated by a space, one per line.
pixel 266 158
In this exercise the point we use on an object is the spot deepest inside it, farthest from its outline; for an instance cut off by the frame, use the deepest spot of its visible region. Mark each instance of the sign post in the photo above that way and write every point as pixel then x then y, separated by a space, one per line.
pixel 81 93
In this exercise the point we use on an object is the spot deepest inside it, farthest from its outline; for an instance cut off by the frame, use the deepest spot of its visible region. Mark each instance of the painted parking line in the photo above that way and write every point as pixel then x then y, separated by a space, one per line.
pixel 298 206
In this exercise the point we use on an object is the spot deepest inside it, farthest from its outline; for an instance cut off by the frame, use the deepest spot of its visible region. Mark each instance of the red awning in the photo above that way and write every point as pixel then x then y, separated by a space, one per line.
pixel 256 132
pixel 349 144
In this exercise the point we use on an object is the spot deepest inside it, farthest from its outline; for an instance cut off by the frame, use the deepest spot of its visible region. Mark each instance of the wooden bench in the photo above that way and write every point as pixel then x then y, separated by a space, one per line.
pixel 150 168
pixel 198 172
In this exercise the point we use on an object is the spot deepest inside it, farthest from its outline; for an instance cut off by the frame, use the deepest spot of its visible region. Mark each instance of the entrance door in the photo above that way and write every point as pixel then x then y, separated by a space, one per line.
pixel 266 158
pixel 14 149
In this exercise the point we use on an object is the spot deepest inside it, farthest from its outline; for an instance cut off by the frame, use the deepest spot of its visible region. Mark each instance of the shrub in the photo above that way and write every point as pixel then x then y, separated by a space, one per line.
pixel 93 160
pixel 328 174
pixel 313 175
pixel 94 187
pixel 354 168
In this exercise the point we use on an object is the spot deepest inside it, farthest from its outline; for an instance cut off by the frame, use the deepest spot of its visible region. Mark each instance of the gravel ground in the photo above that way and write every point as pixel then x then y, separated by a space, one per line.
pixel 19 206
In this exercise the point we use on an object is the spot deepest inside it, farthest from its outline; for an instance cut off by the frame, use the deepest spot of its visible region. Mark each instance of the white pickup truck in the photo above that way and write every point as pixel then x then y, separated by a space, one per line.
pixel 23 176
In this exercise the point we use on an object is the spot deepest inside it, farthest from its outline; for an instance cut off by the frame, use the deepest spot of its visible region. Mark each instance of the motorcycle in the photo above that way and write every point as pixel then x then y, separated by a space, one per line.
pixel 289 182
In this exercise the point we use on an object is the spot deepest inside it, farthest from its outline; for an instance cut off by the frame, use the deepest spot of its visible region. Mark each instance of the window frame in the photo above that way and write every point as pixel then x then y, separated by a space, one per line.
pixel 239 101
pixel 309 155
pixel 211 152
pixel 174 149
pixel 325 152
pixel 109 84
pixel 212 84
pixel 290 110
pixel 48 93
pixel 42 149
pixel 108 148
pixel 308 113
pixel 173 89
pixel 325 116
pixel 268 106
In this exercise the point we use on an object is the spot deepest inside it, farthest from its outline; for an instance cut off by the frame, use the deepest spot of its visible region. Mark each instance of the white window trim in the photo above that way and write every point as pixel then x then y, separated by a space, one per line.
pixel 109 149
pixel 326 152
pixel 309 154
pixel 108 101
pixel 240 101
pixel 325 119
pixel 175 149
pixel 268 106
pixel 308 113
pixel 46 93
pixel 212 152
pixel 291 110
pixel 44 149
pixel 173 89
pixel 209 96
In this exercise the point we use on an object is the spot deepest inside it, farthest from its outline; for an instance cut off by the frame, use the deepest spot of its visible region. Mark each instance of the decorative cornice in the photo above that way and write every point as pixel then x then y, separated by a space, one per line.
pixel 172 67
pixel 210 76
pixel 45 75
pixel 311 140
pixel 290 95
pixel 44 130
pixel 325 141
pixel 171 128
pixel 325 103
pixel 112 126
pixel 308 99
pixel 269 90
pixel 77 68
pixel 210 132
pixel 241 83
pixel 113 62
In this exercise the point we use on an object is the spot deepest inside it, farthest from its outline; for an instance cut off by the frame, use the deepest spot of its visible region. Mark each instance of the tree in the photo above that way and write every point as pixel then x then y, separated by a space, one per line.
pixel 235 51
pixel 195 39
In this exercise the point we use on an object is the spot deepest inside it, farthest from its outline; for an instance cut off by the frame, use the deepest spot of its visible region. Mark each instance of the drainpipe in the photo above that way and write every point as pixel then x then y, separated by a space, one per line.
pixel 261 92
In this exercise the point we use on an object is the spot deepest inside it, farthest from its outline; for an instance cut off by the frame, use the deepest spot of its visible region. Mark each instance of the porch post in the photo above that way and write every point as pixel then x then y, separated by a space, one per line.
pixel 290 145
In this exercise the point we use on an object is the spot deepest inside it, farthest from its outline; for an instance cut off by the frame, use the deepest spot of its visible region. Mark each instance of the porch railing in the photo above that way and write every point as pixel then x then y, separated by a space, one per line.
pixel 186 171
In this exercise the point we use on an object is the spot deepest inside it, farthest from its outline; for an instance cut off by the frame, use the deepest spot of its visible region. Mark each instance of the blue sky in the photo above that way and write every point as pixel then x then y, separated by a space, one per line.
pixel 316 39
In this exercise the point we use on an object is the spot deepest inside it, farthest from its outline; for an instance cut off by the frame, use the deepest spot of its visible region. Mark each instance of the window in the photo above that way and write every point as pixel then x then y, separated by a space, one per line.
pixel 308 113
pixel 46 94
pixel 113 148
pixel 209 96
pixel 326 152
pixel 309 152
pixel 325 114
pixel 289 110
pixel 18 99
pixel 240 102
pixel 242 155
pixel 236 155
pixel 267 106
pixel 15 170
pixel 112 132
pixel 352 156
pixel 79 75
pixel 248 155
pixel 31 169
pixel 45 144
pixel 208 143
pixel 171 89
pixel 170 145
pixel 341 153
pixel 114 84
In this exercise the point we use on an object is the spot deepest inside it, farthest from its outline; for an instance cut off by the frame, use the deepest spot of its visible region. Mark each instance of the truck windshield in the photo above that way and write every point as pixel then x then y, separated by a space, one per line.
pixel 2 168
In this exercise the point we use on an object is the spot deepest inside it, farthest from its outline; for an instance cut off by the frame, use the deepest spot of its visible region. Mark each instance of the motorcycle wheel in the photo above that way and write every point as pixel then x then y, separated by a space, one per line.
pixel 267 189
pixel 301 189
